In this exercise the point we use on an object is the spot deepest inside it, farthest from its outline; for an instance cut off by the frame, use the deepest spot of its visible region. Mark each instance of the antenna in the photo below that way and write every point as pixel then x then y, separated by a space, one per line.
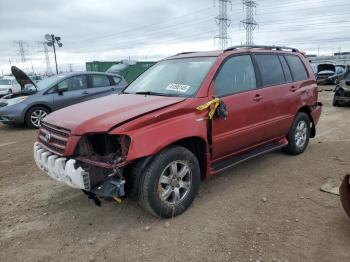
pixel 249 23
pixel 223 23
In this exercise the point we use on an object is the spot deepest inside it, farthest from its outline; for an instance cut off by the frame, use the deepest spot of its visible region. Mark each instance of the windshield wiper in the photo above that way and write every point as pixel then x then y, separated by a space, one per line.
pixel 151 93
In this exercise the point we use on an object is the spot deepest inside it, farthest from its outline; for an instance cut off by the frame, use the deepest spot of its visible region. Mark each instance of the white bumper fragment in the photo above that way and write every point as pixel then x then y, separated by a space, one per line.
pixel 61 169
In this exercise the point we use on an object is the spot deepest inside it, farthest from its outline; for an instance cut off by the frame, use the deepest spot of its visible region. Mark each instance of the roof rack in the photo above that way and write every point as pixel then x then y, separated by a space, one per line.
pixel 269 47
pixel 185 53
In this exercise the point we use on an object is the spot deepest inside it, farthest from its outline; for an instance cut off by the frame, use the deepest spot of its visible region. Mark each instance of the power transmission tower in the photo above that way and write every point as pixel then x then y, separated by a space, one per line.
pixel 249 22
pixel 47 58
pixel 21 49
pixel 223 23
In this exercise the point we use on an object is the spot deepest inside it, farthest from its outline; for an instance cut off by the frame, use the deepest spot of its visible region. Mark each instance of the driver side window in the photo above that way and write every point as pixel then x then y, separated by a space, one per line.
pixel 236 75
pixel 73 83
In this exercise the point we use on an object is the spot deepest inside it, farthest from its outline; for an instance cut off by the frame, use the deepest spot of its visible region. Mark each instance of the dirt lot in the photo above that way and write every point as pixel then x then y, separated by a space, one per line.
pixel 41 220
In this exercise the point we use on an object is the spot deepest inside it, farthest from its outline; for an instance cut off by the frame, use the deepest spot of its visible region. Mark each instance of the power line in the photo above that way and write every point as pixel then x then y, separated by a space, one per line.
pixel 21 49
pixel 223 23
pixel 249 22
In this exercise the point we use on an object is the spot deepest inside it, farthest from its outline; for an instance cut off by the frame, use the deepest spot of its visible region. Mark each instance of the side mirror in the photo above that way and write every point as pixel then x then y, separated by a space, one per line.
pixel 60 91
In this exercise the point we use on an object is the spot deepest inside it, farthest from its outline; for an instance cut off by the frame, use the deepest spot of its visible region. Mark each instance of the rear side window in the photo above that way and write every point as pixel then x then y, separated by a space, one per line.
pixel 298 69
pixel 235 76
pixel 286 69
pixel 271 70
pixel 100 81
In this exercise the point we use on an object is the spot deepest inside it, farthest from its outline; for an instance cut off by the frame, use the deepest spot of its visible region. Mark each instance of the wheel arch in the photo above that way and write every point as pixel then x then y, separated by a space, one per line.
pixel 35 105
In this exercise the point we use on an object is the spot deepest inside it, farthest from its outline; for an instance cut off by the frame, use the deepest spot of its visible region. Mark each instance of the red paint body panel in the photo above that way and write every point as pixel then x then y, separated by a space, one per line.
pixel 100 115
pixel 155 122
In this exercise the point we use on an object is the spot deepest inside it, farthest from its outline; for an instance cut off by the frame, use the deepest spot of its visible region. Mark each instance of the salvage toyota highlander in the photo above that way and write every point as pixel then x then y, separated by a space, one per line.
pixel 185 119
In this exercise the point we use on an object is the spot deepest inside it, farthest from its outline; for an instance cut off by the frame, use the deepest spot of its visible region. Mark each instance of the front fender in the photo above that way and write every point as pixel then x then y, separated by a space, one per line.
pixel 151 139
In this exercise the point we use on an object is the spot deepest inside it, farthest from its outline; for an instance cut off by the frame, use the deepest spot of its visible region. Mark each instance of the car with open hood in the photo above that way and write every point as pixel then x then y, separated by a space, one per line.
pixel 187 118
pixel 36 100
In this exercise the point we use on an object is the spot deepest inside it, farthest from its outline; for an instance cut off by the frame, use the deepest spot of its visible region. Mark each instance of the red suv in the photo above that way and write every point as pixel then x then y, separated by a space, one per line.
pixel 187 118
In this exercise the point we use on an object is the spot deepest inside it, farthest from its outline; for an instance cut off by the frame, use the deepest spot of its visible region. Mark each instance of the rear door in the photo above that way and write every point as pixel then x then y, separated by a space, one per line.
pixel 281 94
pixel 236 85
pixel 70 91
pixel 100 85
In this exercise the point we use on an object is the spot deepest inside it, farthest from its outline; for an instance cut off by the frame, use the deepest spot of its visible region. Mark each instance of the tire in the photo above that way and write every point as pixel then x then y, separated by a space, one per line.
pixel 35 115
pixel 158 190
pixel 298 135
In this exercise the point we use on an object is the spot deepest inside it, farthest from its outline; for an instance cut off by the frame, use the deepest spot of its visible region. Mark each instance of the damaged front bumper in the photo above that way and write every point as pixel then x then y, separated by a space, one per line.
pixel 61 169
pixel 66 170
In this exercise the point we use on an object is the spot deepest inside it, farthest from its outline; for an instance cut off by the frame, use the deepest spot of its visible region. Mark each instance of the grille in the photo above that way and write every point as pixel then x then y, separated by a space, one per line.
pixel 58 138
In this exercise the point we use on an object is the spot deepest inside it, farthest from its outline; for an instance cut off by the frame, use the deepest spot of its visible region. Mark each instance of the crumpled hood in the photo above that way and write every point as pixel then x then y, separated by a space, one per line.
pixel 102 114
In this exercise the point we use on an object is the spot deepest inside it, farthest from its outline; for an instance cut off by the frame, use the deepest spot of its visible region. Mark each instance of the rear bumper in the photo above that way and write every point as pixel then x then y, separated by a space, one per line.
pixel 316 113
pixel 61 169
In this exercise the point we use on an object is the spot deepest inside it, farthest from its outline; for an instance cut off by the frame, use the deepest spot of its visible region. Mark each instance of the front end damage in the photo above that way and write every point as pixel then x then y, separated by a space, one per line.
pixel 96 167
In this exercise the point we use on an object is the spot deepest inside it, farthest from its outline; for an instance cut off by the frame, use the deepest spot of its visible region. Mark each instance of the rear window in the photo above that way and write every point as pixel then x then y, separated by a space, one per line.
pixel 271 69
pixel 297 67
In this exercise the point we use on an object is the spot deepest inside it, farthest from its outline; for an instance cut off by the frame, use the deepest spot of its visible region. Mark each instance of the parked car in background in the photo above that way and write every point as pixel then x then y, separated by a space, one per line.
pixel 342 93
pixel 185 119
pixel 8 86
pixel 36 100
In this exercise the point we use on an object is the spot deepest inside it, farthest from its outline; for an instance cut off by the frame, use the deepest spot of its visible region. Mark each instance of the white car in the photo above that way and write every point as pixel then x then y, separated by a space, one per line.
pixel 9 86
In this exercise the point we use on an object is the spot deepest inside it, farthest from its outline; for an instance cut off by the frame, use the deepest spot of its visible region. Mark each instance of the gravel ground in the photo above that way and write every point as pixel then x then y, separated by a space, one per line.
pixel 268 209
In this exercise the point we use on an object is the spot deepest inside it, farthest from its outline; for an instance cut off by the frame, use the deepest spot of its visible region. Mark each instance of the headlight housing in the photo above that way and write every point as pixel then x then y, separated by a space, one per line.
pixel 16 100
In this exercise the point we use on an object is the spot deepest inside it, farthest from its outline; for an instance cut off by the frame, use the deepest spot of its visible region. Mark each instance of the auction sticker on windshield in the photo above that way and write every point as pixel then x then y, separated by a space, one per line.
pixel 178 88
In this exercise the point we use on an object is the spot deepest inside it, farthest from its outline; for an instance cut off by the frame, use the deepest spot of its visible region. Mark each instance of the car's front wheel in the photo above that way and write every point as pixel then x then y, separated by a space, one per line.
pixel 169 184
pixel 298 135
pixel 35 115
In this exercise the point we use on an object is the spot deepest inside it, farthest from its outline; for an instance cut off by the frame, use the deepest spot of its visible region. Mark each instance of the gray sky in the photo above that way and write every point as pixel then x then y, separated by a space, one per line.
pixel 153 29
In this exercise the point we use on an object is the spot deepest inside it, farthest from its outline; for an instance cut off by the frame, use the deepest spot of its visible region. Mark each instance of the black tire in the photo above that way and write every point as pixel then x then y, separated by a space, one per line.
pixel 150 188
pixel 295 147
pixel 29 121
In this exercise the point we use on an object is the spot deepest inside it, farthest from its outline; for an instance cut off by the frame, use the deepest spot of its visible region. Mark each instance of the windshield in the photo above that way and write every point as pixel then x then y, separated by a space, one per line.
pixel 4 82
pixel 117 67
pixel 176 77
pixel 47 82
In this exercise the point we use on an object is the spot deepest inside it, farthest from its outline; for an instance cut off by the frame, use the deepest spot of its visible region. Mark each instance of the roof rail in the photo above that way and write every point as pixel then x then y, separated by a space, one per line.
pixel 185 53
pixel 269 47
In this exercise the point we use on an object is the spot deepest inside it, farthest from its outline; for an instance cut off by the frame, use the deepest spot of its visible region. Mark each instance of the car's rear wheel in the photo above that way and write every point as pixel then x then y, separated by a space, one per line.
pixel 299 135
pixel 169 184
pixel 35 115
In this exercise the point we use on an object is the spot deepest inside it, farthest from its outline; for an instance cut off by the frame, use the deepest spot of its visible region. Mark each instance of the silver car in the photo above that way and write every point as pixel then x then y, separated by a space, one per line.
pixel 36 100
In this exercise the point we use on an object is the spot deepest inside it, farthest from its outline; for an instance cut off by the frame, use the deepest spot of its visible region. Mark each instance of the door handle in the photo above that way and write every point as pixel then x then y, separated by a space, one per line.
pixel 293 88
pixel 112 89
pixel 85 93
pixel 257 97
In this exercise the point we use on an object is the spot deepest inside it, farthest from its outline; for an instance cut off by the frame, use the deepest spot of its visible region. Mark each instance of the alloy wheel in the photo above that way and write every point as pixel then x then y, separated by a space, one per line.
pixel 301 134
pixel 175 182
pixel 37 116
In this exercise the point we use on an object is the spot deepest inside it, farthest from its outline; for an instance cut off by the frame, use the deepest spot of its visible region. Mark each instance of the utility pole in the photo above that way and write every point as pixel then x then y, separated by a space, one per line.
pixel 70 67
pixel 249 22
pixel 52 40
pixel 21 49
pixel 223 23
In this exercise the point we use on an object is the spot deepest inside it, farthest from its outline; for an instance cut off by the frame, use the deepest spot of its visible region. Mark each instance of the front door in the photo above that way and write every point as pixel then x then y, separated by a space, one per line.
pixel 70 91
pixel 236 86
